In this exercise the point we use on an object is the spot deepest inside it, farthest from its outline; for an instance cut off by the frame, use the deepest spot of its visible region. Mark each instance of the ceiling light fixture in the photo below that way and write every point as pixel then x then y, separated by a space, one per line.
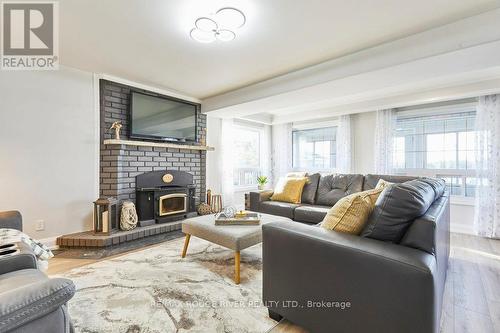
pixel 219 26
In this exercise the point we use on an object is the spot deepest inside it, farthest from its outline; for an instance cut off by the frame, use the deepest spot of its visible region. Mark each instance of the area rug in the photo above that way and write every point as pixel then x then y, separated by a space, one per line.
pixel 155 290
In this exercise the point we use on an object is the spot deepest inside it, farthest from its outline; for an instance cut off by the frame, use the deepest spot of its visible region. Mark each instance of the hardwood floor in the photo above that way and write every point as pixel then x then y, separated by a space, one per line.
pixel 472 292
pixel 59 265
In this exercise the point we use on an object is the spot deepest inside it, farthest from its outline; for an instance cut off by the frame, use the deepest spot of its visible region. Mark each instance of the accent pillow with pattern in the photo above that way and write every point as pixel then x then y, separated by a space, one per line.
pixel 350 214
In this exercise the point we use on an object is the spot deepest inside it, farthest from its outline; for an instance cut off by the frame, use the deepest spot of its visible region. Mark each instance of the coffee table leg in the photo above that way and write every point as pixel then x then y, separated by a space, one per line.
pixel 237 267
pixel 186 243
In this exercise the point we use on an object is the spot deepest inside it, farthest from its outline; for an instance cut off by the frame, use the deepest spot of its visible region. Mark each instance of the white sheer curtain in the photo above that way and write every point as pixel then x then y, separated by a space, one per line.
pixel 226 167
pixel 266 154
pixel 487 210
pixel 344 156
pixel 281 150
pixel 385 126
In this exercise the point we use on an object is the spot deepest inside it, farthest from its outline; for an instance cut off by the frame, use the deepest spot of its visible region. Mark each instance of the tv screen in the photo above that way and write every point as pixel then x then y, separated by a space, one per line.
pixel 162 118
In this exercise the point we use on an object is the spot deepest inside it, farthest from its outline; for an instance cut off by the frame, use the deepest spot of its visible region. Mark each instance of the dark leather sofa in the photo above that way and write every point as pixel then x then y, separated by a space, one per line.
pixel 327 281
pixel 319 195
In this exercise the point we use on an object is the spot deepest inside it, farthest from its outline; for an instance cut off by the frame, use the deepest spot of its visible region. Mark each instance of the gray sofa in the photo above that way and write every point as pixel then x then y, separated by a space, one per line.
pixel 29 300
pixel 310 273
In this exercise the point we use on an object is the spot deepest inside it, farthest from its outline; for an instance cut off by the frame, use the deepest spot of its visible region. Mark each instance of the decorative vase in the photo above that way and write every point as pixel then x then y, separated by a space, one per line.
pixel 261 187
pixel 204 209
pixel 216 203
pixel 128 217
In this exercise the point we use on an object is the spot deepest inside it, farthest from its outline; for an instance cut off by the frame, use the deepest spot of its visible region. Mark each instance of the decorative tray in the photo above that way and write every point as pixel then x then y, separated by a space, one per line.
pixel 249 219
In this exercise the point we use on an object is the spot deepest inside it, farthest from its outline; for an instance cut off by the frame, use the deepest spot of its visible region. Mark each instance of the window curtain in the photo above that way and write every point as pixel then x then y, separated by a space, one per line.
pixel 281 150
pixel 344 144
pixel 265 154
pixel 385 127
pixel 487 210
pixel 226 168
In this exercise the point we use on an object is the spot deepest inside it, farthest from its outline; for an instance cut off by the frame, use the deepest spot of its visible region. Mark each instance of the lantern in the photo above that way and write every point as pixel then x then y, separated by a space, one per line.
pixel 105 216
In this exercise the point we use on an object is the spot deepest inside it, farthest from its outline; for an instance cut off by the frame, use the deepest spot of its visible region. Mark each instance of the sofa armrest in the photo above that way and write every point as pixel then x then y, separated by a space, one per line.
pixel 31 302
pixel 389 288
pixel 11 220
pixel 25 259
pixel 257 197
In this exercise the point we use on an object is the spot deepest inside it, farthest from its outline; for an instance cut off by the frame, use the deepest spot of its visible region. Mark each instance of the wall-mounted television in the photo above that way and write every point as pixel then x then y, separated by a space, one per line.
pixel 162 118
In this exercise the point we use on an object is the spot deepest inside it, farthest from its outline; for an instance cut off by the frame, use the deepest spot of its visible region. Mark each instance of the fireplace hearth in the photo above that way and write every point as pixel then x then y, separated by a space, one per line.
pixel 164 196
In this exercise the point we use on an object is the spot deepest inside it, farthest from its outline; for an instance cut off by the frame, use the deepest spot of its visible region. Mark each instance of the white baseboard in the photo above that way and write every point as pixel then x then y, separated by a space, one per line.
pixel 462 229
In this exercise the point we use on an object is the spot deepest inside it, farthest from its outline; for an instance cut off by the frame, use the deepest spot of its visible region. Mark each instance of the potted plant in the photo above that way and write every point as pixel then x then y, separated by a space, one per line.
pixel 262 181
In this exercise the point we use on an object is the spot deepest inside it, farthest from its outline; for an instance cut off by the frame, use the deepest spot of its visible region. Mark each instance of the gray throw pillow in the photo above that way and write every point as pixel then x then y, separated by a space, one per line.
pixel 396 208
pixel 309 191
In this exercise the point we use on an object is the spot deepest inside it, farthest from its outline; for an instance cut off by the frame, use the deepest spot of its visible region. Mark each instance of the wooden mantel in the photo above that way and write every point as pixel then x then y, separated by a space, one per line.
pixel 156 144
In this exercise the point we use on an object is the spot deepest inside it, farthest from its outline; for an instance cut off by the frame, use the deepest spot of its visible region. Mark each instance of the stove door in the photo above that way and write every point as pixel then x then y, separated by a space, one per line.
pixel 170 204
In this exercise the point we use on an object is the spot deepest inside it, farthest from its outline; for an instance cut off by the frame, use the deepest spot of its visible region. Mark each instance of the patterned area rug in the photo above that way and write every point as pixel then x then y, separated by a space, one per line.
pixel 155 290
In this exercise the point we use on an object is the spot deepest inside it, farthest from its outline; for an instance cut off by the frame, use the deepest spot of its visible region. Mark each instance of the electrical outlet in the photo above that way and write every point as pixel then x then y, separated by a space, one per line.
pixel 40 225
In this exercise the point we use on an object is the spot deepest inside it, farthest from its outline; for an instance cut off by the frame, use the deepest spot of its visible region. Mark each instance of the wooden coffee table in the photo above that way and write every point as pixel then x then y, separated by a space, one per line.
pixel 234 237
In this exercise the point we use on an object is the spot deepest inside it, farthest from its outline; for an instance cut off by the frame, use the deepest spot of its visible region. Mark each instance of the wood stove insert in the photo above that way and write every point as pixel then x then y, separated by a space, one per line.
pixel 164 196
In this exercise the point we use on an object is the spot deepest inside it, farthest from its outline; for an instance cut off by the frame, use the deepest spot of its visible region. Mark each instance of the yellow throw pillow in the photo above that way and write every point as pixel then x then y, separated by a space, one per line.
pixel 351 213
pixel 289 190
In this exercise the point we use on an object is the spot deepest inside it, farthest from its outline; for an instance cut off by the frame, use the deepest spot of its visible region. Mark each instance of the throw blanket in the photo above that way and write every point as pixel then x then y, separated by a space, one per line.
pixel 42 252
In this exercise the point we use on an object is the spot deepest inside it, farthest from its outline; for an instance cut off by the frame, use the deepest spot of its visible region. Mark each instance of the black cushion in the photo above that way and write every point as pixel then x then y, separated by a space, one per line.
pixel 278 208
pixel 309 191
pixel 396 208
pixel 421 233
pixel 311 214
pixel 438 185
pixel 334 187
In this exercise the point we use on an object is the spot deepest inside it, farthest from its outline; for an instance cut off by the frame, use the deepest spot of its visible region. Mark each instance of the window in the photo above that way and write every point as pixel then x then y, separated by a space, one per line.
pixel 247 161
pixel 439 144
pixel 314 149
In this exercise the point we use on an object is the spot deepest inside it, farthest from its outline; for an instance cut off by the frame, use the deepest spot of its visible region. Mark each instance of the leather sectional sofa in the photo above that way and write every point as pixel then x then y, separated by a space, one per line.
pixel 327 281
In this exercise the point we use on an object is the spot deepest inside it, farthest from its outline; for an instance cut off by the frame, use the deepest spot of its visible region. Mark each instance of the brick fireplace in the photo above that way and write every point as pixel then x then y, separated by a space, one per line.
pixel 122 161
pixel 120 164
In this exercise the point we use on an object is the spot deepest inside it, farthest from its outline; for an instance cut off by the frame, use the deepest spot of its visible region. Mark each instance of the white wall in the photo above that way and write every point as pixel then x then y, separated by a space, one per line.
pixel 49 149
pixel 363 124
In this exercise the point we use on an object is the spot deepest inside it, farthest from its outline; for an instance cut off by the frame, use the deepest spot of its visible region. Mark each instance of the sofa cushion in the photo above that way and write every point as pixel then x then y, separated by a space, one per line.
pixel 310 189
pixel 334 187
pixel 371 181
pixel 278 208
pixel 12 280
pixel 396 208
pixel 310 213
pixel 289 190
pixel 422 232
pixel 30 295
pixel 350 214
pixel 438 185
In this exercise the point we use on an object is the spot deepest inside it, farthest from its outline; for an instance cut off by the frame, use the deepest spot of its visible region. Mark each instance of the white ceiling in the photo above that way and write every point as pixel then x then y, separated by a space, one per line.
pixel 148 41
